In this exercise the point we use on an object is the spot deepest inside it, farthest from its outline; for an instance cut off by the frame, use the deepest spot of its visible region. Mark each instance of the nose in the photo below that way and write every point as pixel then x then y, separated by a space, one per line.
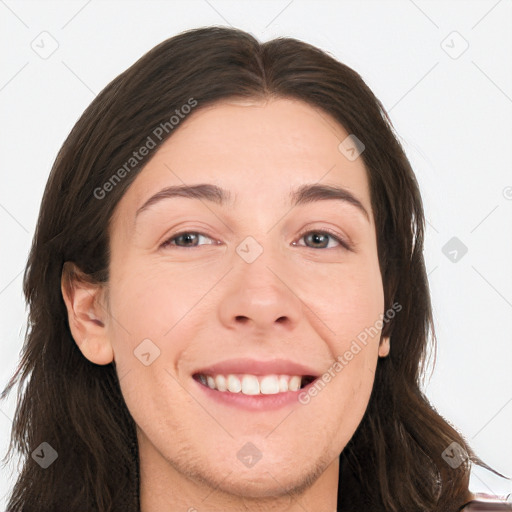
pixel 260 296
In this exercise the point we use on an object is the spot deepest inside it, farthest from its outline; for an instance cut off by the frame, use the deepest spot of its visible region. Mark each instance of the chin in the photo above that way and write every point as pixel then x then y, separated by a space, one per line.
pixel 263 484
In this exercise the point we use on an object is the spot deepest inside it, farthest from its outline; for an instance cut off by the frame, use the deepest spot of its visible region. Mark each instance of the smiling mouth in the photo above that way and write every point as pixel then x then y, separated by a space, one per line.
pixel 248 384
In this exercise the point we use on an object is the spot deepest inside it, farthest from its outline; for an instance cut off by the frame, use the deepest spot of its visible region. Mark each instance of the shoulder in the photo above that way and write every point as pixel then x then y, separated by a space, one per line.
pixel 487 503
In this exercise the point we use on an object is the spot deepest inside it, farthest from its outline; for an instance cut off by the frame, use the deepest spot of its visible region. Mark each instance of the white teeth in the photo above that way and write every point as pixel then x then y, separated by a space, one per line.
pixel 283 383
pixel 252 384
pixel 294 383
pixel 210 381
pixel 220 383
pixel 234 384
pixel 269 385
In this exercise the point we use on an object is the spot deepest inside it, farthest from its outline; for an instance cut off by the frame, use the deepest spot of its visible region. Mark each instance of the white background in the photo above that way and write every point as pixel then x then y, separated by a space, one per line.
pixel 453 116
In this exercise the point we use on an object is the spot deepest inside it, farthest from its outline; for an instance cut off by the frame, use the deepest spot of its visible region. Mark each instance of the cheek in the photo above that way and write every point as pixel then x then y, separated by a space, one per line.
pixel 156 313
pixel 349 303
pixel 349 299
pixel 149 331
pixel 351 308
pixel 341 394
pixel 151 300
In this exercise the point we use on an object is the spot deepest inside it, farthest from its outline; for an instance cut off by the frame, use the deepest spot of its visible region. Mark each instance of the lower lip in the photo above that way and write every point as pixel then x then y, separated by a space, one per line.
pixel 254 402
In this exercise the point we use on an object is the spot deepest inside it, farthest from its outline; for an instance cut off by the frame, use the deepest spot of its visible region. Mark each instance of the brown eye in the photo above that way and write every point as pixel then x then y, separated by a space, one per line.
pixel 318 239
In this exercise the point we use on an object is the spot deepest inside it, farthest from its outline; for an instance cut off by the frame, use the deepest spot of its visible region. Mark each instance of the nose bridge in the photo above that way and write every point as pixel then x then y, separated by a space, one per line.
pixel 258 293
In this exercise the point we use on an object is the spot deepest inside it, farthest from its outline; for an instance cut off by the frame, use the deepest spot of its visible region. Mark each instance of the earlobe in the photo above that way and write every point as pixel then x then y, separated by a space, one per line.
pixel 384 347
pixel 97 352
pixel 86 315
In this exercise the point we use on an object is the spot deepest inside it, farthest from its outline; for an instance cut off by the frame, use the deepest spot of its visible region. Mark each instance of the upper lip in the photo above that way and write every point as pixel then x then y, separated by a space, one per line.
pixel 257 367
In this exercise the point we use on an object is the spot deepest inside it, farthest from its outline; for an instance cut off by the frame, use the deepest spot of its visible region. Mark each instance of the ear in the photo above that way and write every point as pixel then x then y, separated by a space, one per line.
pixel 384 346
pixel 87 314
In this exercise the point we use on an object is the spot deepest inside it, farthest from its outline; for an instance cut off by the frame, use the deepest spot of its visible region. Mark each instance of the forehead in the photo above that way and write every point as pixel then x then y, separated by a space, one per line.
pixel 259 151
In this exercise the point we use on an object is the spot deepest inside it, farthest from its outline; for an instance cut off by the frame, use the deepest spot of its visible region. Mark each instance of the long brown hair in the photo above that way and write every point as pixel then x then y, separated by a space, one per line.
pixel 394 461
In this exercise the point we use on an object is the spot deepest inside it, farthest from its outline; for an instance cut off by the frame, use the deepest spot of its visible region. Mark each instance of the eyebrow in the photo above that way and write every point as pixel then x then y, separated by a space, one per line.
pixel 203 191
pixel 310 193
pixel 304 194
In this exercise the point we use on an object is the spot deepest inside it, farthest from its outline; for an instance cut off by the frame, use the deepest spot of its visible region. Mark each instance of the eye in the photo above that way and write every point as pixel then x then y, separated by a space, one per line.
pixel 187 238
pixel 319 239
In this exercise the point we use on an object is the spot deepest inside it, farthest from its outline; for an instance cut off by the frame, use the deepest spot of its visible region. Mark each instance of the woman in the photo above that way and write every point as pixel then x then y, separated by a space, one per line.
pixel 182 352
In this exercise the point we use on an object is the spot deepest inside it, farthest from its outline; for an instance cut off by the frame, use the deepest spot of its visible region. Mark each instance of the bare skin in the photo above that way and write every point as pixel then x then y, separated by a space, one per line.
pixel 202 303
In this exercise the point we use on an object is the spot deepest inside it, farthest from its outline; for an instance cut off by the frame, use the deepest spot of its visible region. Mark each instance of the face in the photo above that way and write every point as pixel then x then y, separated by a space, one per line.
pixel 261 290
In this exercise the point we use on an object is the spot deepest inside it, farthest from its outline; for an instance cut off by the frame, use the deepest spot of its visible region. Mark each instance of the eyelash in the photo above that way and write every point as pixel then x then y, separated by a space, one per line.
pixel 341 241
